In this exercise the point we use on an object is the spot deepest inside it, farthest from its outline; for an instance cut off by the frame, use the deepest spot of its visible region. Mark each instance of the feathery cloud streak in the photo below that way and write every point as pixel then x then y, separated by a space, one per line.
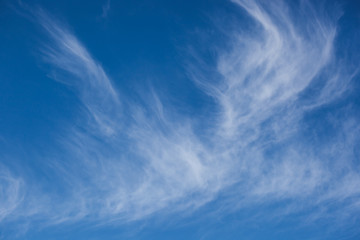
pixel 255 151
pixel 11 192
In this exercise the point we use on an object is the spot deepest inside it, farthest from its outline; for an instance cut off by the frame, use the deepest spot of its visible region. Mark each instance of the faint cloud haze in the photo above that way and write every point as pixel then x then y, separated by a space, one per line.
pixel 105 9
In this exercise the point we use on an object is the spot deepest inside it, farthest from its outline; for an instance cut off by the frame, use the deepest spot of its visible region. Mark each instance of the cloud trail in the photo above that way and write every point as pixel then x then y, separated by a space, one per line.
pixel 255 150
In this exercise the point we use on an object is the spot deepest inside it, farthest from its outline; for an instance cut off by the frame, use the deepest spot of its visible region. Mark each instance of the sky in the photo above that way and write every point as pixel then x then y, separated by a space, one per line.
pixel 204 119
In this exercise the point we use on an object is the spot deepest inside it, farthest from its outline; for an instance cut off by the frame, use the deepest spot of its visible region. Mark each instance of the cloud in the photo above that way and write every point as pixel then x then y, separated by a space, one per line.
pixel 11 189
pixel 130 160
pixel 87 76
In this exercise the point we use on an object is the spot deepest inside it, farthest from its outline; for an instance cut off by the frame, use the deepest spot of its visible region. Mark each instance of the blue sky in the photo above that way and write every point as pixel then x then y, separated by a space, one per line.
pixel 179 119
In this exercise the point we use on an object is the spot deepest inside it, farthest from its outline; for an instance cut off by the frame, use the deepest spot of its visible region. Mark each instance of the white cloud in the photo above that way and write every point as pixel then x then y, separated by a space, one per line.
pixel 86 75
pixel 156 162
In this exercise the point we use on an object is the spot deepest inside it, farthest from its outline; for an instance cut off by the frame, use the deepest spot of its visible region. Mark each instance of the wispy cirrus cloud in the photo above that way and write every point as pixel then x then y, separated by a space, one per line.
pixel 85 74
pixel 129 162
pixel 11 189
